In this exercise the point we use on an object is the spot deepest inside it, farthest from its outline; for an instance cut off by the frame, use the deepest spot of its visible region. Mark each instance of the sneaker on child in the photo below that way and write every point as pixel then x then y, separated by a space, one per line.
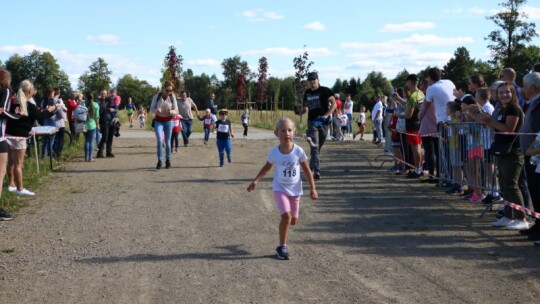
pixel 282 253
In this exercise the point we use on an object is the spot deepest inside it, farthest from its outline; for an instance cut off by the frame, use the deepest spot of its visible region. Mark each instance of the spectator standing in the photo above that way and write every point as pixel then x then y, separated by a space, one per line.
pixel 438 94
pixel 348 107
pixel 92 121
pixel 412 122
pixel 531 90
pixel 6 95
pixel 73 102
pixel 48 140
pixel 107 113
pixel 509 75
pixel 361 122
pixel 377 118
pixel 509 162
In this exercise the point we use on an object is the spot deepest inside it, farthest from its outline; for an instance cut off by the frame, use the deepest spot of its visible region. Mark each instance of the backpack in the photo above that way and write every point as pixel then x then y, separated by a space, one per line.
pixel 80 113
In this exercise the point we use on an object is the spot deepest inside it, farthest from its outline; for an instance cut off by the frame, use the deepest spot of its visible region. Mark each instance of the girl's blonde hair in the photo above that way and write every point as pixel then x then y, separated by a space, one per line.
pixel 282 120
pixel 26 87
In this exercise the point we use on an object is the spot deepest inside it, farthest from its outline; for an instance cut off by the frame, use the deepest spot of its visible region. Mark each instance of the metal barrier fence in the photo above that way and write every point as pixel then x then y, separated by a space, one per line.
pixel 464 155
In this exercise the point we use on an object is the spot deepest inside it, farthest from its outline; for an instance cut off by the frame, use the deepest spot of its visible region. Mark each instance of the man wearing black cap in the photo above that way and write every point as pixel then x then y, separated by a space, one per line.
pixel 319 104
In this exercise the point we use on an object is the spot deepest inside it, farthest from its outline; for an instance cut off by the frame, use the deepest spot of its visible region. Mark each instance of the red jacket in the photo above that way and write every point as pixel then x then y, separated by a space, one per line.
pixel 71 105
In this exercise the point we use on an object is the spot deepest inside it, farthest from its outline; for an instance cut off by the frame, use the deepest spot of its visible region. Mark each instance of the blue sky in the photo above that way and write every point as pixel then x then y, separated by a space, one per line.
pixel 344 38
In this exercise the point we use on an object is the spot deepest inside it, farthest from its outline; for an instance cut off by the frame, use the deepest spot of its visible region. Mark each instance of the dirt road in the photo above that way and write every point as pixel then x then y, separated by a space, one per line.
pixel 119 231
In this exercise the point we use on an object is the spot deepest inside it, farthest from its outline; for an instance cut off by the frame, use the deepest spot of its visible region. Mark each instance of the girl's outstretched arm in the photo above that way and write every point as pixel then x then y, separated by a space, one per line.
pixel 265 169
pixel 305 167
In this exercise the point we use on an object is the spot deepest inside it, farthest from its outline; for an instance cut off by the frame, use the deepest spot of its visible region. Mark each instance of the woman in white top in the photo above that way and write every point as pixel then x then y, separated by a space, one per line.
pixel 349 111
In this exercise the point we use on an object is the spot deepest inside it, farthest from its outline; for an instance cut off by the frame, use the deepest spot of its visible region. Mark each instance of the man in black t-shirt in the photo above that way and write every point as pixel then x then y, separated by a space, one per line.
pixel 319 103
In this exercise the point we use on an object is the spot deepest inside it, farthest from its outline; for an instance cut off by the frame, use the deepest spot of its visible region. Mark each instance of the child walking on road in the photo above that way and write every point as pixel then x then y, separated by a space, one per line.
pixel 287 185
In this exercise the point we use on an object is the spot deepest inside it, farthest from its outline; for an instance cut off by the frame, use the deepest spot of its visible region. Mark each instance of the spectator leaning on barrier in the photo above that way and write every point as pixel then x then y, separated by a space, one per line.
pixel 509 75
pixel 509 157
pixel 531 90
pixel 412 122
pixel 438 94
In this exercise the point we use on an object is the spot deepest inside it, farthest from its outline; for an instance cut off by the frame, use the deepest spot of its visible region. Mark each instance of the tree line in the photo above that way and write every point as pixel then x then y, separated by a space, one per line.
pixel 241 87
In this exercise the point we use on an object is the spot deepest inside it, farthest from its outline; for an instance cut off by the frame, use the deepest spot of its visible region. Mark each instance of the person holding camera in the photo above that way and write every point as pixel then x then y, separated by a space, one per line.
pixel 319 105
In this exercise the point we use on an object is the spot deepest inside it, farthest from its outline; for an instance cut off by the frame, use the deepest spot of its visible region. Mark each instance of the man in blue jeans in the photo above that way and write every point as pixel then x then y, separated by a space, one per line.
pixel 319 103
pixel 185 105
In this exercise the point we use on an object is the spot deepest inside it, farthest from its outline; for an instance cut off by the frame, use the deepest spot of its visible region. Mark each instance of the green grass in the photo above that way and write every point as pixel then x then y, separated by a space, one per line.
pixel 31 177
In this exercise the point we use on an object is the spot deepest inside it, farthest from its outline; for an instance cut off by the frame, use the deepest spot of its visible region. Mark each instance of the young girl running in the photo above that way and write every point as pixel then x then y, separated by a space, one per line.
pixel 177 127
pixel 287 185
pixel 142 116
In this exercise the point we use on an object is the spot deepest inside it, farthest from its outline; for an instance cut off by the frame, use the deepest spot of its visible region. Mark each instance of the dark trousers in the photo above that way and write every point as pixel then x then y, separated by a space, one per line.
pixel 174 140
pixel 318 137
pixel 431 149
pixel 245 129
pixel 59 142
pixel 533 180
pixel 107 136
pixel 509 169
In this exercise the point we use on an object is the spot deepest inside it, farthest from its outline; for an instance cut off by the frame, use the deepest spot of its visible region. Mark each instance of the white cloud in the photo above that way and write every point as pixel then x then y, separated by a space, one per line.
pixel 532 12
pixel 259 14
pixel 471 10
pixel 477 10
pixel 412 42
pixel 104 39
pixel 22 49
pixel 74 64
pixel 407 27
pixel 282 51
pixel 316 26
pixel 203 62
pixel 456 10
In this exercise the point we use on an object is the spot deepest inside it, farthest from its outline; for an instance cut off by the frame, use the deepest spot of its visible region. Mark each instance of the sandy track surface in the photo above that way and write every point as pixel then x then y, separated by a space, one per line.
pixel 119 231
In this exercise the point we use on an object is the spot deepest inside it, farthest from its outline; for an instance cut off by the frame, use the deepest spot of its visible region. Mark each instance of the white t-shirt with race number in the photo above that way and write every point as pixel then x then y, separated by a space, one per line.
pixel 287 170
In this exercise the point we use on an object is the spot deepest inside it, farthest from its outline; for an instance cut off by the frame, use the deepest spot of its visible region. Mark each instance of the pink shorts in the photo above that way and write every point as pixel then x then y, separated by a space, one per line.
pixel 475 152
pixel 286 203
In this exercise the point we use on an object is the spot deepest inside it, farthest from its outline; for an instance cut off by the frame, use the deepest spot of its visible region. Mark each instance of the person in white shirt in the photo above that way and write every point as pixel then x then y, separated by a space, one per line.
pixel 348 106
pixel 361 123
pixel 377 118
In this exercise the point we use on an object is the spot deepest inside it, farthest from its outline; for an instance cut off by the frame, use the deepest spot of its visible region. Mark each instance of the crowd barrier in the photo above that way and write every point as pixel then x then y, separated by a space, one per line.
pixel 464 157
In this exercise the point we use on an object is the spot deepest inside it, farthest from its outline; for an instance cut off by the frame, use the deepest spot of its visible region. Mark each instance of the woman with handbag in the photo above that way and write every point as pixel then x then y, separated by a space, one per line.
pixel 507 152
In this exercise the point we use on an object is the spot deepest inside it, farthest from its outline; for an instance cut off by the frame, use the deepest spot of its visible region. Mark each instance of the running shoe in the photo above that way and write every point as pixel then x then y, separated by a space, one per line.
pixel 5 216
pixel 502 222
pixel 282 253
pixel 24 192
pixel 11 189
pixel 476 198
pixel 456 190
pixel 517 225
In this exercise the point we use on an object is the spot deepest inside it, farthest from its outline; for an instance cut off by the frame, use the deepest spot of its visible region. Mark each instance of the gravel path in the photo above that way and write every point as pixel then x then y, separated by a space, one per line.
pixel 119 231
